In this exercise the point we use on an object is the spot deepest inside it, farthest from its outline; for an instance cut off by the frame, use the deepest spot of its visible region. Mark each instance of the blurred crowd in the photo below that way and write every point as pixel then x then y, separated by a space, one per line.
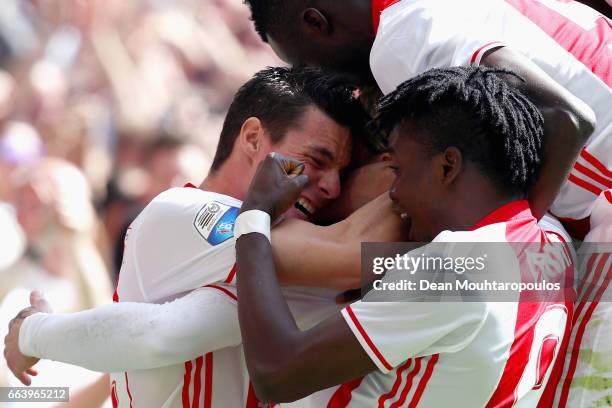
pixel 103 105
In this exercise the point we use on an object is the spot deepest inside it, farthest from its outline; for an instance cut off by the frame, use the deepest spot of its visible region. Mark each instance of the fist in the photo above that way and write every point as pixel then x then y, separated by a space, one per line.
pixel 19 364
pixel 276 186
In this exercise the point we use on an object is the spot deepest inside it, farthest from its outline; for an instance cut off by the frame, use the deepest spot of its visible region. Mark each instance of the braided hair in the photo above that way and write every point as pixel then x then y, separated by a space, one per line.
pixel 473 109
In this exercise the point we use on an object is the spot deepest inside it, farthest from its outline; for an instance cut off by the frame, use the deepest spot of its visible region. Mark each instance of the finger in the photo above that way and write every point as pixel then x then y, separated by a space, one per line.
pixel 290 166
pixel 24 378
pixel 38 301
pixel 25 313
pixel 32 371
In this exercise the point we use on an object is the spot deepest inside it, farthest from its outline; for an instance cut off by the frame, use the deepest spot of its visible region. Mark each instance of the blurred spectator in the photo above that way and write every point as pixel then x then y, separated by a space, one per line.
pixel 54 209
pixel 86 88
pixel 169 162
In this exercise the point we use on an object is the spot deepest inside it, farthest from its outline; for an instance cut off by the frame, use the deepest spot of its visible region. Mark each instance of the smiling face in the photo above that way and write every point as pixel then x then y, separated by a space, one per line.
pixel 325 148
pixel 415 191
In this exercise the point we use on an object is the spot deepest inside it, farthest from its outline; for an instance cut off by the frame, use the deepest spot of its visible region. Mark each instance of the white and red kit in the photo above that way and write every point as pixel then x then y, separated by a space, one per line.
pixel 586 379
pixel 569 41
pixel 180 344
pixel 493 354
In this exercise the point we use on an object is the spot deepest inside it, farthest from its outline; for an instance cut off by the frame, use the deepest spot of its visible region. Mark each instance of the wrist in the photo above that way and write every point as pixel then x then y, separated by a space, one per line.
pixel 251 221
pixel 27 334
pixel 256 205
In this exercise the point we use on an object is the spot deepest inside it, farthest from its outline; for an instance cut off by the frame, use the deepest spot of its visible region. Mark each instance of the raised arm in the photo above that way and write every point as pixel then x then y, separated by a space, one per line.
pixel 568 123
pixel 281 363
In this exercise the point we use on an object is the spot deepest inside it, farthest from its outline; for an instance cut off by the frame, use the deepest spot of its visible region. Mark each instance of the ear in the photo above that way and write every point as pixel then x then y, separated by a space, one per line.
pixel 383 157
pixel 252 138
pixel 315 22
pixel 450 165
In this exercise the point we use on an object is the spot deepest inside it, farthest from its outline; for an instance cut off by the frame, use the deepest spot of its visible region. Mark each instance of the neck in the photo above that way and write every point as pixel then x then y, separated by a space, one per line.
pixel 470 206
pixel 225 182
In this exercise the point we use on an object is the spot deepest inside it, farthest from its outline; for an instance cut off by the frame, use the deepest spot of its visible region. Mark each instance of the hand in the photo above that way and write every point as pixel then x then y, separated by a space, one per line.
pixel 276 186
pixel 19 364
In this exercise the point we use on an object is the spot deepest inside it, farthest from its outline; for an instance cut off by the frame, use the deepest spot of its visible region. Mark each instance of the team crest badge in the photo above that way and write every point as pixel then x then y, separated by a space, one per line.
pixel 215 222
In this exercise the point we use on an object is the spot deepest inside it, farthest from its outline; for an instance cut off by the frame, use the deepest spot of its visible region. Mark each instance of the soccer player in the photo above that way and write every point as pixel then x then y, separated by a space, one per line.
pixel 180 346
pixel 467 148
pixel 391 41
pixel 562 49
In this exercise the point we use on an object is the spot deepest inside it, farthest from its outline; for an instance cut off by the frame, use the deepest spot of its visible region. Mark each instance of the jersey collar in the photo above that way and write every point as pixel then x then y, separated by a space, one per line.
pixel 513 210
pixel 378 6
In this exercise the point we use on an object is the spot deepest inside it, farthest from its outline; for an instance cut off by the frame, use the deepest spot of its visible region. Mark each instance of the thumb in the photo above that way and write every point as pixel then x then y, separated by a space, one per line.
pixel 39 302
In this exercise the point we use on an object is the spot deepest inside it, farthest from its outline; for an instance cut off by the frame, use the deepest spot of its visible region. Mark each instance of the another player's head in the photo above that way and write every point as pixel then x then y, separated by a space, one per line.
pixel 464 141
pixel 333 34
pixel 302 113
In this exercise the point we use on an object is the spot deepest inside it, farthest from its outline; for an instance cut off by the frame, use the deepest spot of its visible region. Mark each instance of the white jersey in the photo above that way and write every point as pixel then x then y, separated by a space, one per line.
pixel 181 242
pixel 573 45
pixel 587 377
pixel 494 354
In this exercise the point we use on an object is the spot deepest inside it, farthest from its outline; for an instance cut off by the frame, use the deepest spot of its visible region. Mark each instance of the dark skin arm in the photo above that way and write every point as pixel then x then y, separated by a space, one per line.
pixel 568 123
pixel 281 363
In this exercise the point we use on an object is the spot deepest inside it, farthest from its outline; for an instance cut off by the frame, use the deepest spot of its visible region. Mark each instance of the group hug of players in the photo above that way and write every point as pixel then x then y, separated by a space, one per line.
pixel 497 118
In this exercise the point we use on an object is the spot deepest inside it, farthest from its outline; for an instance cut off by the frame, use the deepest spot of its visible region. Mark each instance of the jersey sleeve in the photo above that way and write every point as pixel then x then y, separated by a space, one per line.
pixel 417 36
pixel 392 332
pixel 134 336
pixel 183 240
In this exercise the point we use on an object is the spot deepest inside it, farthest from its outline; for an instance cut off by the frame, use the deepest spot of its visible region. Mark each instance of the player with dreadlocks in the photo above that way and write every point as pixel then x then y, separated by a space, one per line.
pixel 466 147
pixel 563 49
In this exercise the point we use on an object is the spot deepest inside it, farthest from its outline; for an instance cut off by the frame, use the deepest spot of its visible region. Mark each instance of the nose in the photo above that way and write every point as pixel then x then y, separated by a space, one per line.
pixel 330 184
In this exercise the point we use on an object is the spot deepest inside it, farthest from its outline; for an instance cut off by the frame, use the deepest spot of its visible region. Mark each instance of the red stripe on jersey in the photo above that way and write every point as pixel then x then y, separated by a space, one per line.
pixel 197 382
pixel 115 296
pixel 423 383
pixel 408 386
pixel 127 387
pixel 224 290
pixel 208 381
pixel 114 396
pixel 608 195
pixel 585 185
pixel 585 278
pixel 576 348
pixel 504 394
pixel 231 275
pixel 594 176
pixel 590 47
pixel 186 381
pixel 398 381
pixel 369 341
pixel 595 163
pixel 593 283
pixel 550 390
pixel 549 344
pixel 343 395
pixel 378 6
pixel 479 52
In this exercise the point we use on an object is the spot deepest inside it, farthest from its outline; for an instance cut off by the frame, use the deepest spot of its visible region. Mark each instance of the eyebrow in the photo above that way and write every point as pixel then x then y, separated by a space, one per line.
pixel 323 151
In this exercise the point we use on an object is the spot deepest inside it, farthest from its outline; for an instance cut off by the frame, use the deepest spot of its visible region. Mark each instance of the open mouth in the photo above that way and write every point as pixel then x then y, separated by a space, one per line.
pixel 305 207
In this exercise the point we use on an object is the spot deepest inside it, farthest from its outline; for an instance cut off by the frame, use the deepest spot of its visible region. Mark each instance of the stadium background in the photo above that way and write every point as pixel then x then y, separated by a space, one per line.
pixel 103 104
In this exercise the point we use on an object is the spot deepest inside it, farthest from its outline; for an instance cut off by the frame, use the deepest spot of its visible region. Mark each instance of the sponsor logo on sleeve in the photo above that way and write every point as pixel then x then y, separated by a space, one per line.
pixel 215 222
